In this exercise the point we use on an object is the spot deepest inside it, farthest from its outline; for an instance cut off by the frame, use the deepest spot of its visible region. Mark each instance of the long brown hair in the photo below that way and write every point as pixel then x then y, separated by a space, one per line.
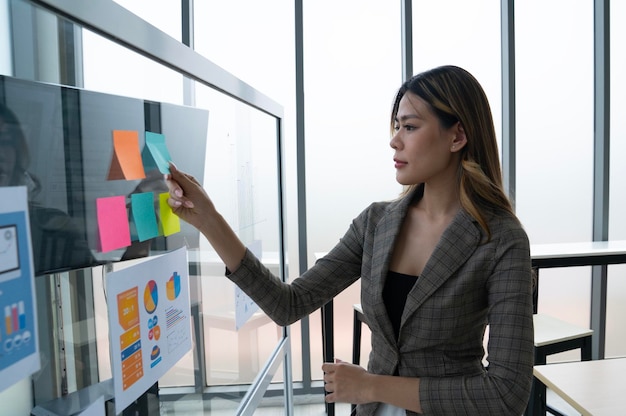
pixel 454 95
pixel 16 138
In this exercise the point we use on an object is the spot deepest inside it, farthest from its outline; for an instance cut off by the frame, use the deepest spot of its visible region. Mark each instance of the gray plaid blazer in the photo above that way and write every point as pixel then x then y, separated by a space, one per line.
pixel 466 284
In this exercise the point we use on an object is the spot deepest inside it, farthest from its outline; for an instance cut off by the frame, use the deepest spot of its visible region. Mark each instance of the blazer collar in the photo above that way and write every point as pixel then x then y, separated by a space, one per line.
pixel 456 245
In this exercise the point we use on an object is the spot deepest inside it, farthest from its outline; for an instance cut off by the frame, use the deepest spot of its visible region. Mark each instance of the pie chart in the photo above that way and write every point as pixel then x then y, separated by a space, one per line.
pixel 173 287
pixel 151 296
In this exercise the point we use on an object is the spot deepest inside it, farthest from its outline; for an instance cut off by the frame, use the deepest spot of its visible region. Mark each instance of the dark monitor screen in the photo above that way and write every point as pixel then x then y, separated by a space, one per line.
pixel 58 142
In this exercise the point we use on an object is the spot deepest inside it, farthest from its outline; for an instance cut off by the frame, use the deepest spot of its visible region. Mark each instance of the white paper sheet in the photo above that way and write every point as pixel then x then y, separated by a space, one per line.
pixel 19 346
pixel 149 321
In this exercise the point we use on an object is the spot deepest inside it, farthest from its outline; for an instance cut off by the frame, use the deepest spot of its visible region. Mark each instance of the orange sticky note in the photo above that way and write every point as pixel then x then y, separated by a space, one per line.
pixel 170 223
pixel 126 162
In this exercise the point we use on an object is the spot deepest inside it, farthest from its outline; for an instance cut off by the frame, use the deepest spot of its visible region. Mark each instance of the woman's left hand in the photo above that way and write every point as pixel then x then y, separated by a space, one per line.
pixel 346 383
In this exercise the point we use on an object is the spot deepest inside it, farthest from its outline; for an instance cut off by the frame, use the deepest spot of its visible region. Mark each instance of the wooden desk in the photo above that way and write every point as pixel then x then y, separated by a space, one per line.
pixel 591 387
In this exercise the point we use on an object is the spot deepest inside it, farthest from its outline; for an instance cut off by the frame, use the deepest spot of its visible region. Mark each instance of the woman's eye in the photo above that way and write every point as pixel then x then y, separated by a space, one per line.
pixel 407 127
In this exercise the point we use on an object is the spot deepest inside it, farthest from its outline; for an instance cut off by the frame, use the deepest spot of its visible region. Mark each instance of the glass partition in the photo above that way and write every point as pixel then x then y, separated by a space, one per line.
pixel 554 102
pixel 228 137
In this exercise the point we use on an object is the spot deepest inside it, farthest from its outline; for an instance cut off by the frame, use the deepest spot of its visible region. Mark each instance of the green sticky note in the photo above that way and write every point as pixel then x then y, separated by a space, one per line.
pixel 144 215
pixel 155 153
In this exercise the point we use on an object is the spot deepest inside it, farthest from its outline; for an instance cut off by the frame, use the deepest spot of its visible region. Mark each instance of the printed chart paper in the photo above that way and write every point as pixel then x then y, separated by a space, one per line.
pixel 149 322
pixel 19 346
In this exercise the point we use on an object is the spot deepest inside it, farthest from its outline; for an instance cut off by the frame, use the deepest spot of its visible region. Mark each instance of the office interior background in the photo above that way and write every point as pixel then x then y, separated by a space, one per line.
pixel 333 71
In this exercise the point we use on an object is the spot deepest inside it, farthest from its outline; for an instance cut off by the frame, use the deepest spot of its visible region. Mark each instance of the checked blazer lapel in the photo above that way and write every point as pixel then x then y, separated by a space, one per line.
pixel 386 233
pixel 455 247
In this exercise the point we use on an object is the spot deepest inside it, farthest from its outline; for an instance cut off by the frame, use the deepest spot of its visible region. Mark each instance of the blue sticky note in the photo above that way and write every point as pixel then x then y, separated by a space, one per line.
pixel 144 215
pixel 155 153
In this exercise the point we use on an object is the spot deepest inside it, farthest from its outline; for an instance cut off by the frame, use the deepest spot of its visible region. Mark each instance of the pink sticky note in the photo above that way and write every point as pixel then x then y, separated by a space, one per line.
pixel 113 223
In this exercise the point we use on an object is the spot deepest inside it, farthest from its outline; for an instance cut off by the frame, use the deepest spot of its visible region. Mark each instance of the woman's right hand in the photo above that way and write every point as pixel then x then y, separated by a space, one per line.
pixel 191 203
pixel 187 198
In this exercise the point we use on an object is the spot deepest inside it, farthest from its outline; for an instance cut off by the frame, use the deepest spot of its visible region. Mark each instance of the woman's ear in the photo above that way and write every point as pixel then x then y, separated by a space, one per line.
pixel 459 139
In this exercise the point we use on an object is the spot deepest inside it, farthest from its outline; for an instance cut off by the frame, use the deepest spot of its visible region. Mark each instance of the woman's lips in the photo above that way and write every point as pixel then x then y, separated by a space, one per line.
pixel 398 163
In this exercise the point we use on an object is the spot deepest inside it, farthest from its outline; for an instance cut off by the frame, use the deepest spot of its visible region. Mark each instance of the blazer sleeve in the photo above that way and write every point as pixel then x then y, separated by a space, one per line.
pixel 504 387
pixel 285 303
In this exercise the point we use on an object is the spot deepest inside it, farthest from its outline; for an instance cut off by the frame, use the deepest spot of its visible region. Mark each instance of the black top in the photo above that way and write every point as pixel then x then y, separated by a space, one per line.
pixel 395 292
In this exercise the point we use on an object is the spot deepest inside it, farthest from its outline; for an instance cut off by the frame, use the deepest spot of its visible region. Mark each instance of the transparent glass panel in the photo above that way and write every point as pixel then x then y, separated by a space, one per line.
pixel 241 177
pixel 554 75
pixel 260 47
pixel 616 296
pixel 465 34
pixel 271 49
pixel 555 119
pixel 111 68
pixel 351 74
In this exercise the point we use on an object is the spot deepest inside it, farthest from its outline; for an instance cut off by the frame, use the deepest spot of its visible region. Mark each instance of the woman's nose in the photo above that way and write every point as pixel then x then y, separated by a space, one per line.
pixel 394 141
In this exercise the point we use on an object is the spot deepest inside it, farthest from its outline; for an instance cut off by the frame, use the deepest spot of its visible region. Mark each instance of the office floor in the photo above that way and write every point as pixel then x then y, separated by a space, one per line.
pixel 310 405
pixel 304 406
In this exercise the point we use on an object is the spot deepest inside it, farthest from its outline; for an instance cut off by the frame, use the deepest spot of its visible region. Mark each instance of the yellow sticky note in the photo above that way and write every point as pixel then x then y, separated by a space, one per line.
pixel 170 223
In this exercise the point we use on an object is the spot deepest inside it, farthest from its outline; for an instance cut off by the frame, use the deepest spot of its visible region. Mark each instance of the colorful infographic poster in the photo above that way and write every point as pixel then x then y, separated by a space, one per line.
pixel 19 347
pixel 150 322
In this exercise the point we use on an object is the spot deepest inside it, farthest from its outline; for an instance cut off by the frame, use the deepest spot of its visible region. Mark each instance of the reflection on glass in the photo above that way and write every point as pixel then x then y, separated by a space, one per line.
pixel 65 160
pixel 32 144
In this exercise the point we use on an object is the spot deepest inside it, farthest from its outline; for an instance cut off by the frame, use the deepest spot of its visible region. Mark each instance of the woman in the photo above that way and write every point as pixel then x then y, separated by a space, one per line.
pixel 436 266
pixel 57 240
pixel 14 154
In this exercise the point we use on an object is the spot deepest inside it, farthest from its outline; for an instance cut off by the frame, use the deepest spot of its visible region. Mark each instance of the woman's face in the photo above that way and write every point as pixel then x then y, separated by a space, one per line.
pixel 8 155
pixel 424 150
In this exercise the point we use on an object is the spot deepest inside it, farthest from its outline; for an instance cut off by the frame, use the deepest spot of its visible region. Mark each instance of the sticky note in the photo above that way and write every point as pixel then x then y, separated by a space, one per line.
pixel 112 223
pixel 155 154
pixel 170 223
pixel 144 216
pixel 126 162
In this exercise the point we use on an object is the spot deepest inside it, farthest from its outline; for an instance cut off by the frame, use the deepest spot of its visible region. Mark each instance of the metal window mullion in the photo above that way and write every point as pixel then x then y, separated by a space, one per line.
pixel 406 15
pixel 187 24
pixel 507 25
pixel 601 145
pixel 301 184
